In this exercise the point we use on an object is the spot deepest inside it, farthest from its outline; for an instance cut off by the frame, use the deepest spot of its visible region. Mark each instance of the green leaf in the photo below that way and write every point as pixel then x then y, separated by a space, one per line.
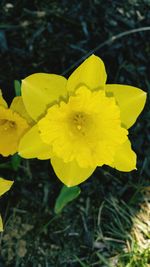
pixel 66 195
pixel 15 162
pixel 17 86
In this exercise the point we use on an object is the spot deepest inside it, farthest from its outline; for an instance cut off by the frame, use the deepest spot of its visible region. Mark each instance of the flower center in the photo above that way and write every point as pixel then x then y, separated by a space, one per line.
pixel 7 125
pixel 79 123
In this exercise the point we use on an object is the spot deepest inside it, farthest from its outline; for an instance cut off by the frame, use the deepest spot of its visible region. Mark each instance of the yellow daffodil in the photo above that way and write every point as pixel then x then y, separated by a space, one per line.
pixel 82 122
pixel 14 123
pixel 5 185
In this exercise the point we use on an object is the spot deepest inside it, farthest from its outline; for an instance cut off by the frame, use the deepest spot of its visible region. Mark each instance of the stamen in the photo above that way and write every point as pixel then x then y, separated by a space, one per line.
pixel 79 127
pixel 79 123
pixel 6 124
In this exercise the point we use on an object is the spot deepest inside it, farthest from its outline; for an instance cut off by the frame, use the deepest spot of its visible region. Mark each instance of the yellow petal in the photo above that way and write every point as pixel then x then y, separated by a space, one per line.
pixel 131 101
pixel 125 158
pixel 31 145
pixel 90 73
pixel 18 106
pixel 5 185
pixel 41 90
pixel 2 101
pixel 1 224
pixel 70 173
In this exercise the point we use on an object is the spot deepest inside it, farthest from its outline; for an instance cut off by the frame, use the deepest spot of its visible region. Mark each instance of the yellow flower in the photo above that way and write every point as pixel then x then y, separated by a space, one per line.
pixel 82 122
pixel 13 125
pixel 87 129
pixel 5 185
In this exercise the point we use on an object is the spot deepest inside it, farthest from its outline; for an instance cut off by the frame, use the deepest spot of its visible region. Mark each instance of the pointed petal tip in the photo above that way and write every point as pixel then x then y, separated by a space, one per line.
pixel 91 73
pixel 68 185
pixel 131 101
pixel 70 174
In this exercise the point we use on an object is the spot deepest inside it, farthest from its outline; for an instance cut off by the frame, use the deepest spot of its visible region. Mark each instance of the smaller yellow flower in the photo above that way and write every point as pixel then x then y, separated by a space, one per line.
pixel 13 125
pixel 5 185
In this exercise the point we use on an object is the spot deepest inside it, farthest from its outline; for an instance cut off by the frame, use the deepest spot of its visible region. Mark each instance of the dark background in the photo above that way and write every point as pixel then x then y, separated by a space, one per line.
pixel 50 36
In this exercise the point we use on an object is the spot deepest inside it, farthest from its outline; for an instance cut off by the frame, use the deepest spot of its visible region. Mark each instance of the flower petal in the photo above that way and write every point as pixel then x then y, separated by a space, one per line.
pixel 125 158
pixel 2 101
pixel 41 90
pixel 90 73
pixel 31 145
pixel 5 185
pixel 131 101
pixel 70 173
pixel 1 224
pixel 18 106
